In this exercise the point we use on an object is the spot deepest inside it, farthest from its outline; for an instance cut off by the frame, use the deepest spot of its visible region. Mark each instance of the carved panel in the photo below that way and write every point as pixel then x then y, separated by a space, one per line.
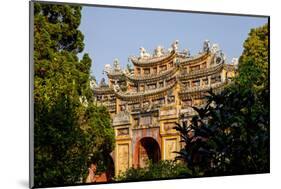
pixel 168 112
pixel 187 103
pixel 123 132
pixel 123 157
pixel 158 102
pixel 155 120
pixel 169 126
pixel 146 120
pixel 121 118
pixel 170 147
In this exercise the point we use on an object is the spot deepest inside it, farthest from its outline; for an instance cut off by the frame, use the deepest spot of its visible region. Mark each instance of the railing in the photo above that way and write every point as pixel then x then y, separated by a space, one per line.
pixel 140 94
pixel 153 76
pixel 212 69
pixel 202 88
pixel 102 90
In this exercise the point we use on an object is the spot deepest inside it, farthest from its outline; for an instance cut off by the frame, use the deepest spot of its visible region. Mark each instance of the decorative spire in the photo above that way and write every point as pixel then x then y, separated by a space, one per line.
pixel 143 53
pixel 102 83
pixel 107 68
pixel 215 48
pixel 175 45
pixel 206 46
pixel 116 65
pixel 235 62
pixel 219 57
pixel 186 53
pixel 158 51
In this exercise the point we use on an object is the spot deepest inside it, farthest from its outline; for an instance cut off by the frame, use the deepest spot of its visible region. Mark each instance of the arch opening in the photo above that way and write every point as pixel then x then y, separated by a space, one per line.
pixel 149 150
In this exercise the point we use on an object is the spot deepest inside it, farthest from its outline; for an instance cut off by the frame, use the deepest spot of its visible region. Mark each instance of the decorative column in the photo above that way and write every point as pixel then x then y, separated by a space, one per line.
pixel 223 73
pixel 209 80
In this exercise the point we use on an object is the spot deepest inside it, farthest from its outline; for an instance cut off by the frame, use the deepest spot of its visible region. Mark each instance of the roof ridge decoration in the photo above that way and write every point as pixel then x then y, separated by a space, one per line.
pixel 159 54
pixel 185 53
pixel 158 51
pixel 115 70
pixel 193 58
pixel 143 53
pixel 102 83
pixel 116 65
pixel 235 62
pixel 175 46
pixel 206 46
pixel 219 56
pixel 138 60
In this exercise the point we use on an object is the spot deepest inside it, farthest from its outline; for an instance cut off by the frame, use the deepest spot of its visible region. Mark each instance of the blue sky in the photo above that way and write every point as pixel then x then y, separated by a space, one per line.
pixel 119 33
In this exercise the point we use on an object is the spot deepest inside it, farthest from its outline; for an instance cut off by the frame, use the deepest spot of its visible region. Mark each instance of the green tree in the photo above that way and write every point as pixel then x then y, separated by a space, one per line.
pixel 228 136
pixel 163 169
pixel 68 129
pixel 253 63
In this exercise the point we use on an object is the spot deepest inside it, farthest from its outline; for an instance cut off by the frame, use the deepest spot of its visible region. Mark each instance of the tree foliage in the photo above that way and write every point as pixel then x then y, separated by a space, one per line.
pixel 253 63
pixel 230 134
pixel 68 128
pixel 163 169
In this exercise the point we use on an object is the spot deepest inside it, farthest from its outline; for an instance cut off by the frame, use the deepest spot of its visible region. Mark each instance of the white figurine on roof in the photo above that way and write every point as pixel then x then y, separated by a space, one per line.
pixel 175 45
pixel 206 46
pixel 159 51
pixel 235 61
pixel 215 48
pixel 186 52
pixel 143 53
pixel 116 64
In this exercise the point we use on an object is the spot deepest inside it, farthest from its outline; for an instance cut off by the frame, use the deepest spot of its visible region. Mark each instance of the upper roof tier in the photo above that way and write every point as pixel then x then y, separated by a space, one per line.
pixel 151 77
pixel 153 60
pixel 174 62
pixel 103 90
pixel 115 71
pixel 159 55
pixel 143 95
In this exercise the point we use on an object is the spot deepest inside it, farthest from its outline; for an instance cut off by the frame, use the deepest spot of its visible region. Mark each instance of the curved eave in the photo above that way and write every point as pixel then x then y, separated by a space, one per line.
pixel 201 73
pixel 149 78
pixel 102 91
pixel 114 75
pixel 153 60
pixel 143 95
pixel 196 59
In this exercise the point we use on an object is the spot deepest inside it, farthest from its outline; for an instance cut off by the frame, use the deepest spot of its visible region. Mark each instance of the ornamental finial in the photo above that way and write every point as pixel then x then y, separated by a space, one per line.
pixel 143 53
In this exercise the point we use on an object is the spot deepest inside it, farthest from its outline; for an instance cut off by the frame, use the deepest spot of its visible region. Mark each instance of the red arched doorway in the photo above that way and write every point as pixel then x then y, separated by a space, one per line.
pixel 149 150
